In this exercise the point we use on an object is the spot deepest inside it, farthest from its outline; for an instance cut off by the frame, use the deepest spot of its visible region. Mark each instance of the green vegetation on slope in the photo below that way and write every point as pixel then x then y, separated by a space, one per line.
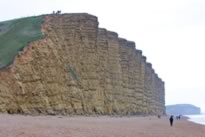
pixel 15 35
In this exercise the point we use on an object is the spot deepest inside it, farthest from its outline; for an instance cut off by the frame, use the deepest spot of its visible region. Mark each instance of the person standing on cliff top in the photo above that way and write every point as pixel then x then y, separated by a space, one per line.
pixel 171 120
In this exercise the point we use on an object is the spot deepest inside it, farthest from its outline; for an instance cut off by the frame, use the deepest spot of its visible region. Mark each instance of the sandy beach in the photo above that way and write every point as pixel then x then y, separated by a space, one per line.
pixel 103 126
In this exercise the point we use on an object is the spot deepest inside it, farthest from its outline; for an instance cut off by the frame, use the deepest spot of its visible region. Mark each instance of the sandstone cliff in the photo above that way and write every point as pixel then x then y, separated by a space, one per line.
pixel 79 68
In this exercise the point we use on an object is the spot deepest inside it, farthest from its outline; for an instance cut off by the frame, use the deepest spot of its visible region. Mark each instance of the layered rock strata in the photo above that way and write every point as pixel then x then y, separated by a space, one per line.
pixel 79 68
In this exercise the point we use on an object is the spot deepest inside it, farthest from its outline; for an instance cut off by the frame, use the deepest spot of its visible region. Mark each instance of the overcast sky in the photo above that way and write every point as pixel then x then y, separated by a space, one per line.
pixel 171 34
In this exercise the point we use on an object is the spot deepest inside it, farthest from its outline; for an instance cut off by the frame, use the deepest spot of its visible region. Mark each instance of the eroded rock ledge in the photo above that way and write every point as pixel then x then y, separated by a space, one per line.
pixel 79 68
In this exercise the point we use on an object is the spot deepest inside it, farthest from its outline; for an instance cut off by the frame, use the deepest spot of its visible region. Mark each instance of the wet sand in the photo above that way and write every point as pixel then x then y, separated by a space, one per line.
pixel 103 126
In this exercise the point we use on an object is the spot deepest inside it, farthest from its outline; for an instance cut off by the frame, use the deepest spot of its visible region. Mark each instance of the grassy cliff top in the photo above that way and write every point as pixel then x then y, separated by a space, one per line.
pixel 15 35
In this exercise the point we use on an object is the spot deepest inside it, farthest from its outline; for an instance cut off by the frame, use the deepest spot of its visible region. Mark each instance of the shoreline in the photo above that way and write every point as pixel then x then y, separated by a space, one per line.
pixel 198 120
pixel 100 126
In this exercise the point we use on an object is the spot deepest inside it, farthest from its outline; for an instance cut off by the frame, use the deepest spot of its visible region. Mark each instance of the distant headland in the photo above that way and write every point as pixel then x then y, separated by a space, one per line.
pixel 183 109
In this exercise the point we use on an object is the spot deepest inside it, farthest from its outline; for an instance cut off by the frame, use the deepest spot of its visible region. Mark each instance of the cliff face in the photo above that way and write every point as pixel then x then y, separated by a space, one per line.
pixel 79 68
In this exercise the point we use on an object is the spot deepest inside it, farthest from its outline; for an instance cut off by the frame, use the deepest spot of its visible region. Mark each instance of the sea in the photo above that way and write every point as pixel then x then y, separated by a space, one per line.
pixel 199 119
